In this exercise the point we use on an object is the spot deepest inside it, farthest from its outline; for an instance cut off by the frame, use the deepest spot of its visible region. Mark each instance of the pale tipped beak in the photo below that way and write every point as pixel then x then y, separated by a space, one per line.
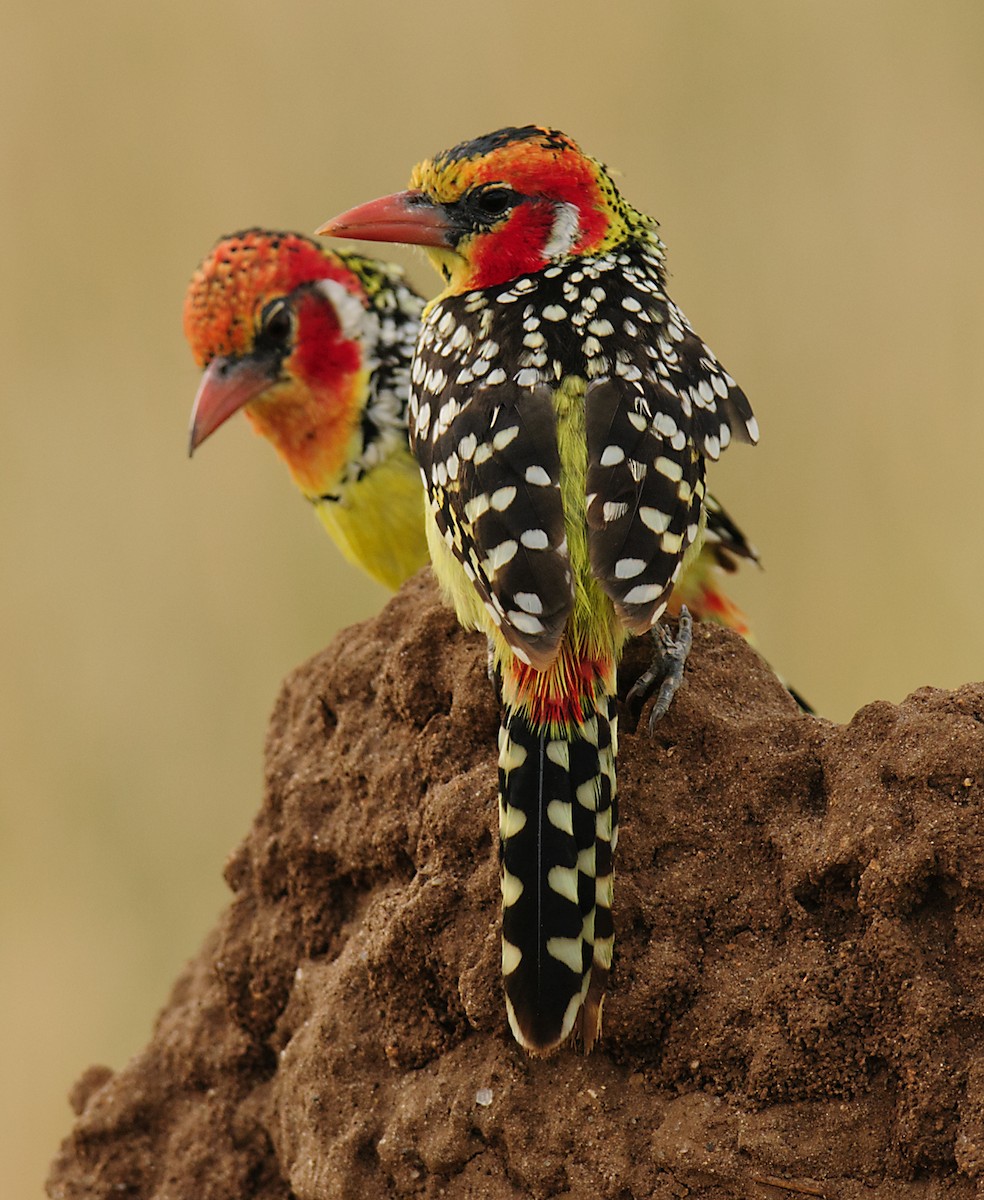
pixel 227 385
pixel 408 217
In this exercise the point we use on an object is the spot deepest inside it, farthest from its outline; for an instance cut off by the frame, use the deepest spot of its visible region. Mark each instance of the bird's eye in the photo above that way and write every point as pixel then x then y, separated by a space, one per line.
pixel 493 202
pixel 276 321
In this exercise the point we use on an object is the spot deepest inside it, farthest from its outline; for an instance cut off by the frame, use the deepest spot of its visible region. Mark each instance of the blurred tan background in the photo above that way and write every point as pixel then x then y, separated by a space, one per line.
pixel 818 169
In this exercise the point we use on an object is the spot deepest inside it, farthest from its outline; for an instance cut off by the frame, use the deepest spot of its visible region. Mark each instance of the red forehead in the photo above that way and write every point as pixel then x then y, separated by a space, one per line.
pixel 532 167
pixel 533 160
pixel 239 276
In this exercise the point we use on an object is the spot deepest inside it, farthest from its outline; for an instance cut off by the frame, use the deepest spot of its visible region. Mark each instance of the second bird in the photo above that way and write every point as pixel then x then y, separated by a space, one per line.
pixel 315 348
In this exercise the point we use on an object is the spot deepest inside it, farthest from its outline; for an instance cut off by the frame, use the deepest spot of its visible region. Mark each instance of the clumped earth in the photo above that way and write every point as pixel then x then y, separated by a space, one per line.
pixel 797 1002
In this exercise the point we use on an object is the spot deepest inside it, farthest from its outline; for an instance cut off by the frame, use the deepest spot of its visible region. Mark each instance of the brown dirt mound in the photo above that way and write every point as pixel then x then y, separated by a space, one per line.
pixel 796 1005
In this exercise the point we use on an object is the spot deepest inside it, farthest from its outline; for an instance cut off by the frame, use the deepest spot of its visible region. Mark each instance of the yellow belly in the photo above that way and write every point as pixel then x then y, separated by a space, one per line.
pixel 378 524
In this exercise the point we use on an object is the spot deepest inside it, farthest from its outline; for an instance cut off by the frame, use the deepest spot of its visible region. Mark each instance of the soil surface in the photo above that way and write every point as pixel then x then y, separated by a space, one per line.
pixel 796 1007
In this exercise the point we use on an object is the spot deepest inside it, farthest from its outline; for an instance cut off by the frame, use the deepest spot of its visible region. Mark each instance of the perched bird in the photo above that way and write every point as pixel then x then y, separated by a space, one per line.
pixel 315 347
pixel 561 411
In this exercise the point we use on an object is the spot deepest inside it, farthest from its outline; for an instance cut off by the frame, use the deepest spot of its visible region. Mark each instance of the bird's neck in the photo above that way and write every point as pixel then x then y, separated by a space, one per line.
pixel 315 430
pixel 502 261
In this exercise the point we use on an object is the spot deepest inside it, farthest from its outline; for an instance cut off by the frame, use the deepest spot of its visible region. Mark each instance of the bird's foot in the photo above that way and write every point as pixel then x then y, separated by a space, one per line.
pixel 665 672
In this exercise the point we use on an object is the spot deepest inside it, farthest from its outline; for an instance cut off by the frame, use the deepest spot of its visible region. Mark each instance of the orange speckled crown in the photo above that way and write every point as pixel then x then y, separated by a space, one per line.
pixel 244 270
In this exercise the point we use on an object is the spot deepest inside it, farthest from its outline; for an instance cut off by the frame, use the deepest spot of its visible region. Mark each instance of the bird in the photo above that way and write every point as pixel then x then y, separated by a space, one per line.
pixel 315 347
pixel 561 410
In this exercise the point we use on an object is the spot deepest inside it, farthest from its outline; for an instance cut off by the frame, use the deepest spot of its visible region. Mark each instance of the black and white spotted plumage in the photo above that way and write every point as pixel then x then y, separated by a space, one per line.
pixel 495 461
pixel 657 403
pixel 389 325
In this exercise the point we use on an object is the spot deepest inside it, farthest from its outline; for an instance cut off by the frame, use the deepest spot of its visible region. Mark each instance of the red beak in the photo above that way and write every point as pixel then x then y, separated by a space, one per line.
pixel 408 217
pixel 227 386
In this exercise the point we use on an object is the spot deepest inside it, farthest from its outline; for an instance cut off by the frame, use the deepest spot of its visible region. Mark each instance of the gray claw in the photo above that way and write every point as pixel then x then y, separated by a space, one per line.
pixel 669 656
pixel 672 652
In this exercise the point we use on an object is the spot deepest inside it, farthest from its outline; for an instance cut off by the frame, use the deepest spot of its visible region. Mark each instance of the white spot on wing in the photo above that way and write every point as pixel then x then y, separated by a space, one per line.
pixel 643 593
pixel 653 519
pixel 669 468
pixel 502 498
pixel 534 539
pixel 613 509
pixel 529 602
pixel 525 623
pixel 629 568
pixel 476 507
pixel 499 555
pixel 504 437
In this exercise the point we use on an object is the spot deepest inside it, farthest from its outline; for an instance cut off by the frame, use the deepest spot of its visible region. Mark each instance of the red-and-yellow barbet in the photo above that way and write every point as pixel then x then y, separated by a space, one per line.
pixel 561 411
pixel 315 348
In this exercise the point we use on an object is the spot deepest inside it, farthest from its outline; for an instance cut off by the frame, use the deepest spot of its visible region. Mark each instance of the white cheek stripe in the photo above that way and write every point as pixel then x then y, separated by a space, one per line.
pixel 564 232
pixel 354 319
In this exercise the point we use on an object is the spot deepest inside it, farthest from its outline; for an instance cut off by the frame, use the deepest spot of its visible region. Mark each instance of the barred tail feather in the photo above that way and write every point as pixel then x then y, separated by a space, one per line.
pixel 557 825
pixel 606 839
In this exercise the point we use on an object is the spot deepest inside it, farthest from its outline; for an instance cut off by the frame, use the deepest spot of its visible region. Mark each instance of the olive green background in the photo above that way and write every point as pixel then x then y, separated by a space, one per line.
pixel 818 169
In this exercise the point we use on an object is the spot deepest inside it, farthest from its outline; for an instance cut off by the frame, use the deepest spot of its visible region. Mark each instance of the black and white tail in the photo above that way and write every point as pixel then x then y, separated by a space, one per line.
pixel 558 824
